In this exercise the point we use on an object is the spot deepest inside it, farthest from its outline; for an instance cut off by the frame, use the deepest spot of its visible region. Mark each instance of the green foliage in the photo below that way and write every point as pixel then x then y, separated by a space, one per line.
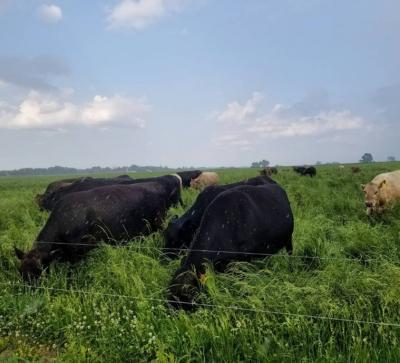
pixel 367 158
pixel 260 164
pixel 111 306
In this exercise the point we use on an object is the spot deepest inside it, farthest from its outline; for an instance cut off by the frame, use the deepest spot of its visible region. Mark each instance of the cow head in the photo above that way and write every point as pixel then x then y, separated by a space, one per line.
pixel 176 235
pixel 34 262
pixel 31 264
pixel 183 290
pixel 39 200
pixel 373 196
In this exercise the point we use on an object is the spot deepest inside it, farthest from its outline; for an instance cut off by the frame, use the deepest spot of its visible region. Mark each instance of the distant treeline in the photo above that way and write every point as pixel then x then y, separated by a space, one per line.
pixel 60 170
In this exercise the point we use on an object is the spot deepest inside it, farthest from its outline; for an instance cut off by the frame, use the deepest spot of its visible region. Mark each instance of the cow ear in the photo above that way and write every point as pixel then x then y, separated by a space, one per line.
pixel 382 183
pixel 47 258
pixel 20 254
pixel 362 186
pixel 56 253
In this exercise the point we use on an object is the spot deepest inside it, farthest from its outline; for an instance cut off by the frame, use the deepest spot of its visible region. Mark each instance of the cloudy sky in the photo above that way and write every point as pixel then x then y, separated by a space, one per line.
pixel 198 82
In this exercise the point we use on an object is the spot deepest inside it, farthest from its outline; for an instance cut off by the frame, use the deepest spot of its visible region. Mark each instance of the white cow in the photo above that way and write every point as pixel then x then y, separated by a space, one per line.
pixel 382 191
pixel 205 179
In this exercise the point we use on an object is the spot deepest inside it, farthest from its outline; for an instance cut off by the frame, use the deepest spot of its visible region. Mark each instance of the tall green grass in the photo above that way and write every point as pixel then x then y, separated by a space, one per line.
pixel 111 306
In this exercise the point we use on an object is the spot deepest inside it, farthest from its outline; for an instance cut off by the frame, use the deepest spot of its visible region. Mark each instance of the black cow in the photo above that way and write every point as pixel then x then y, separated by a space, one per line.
pixel 239 222
pixel 305 170
pixel 187 176
pixel 299 169
pixel 110 213
pixel 52 187
pixel 50 201
pixel 180 231
pixel 310 170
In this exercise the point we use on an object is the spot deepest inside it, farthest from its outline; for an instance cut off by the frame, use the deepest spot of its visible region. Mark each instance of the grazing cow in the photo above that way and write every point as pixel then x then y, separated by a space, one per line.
pixel 341 167
pixel 299 169
pixel 305 170
pixel 50 201
pixel 311 171
pixel 110 213
pixel 56 185
pixel 205 179
pixel 180 231
pixel 187 176
pixel 238 224
pixel 382 191
pixel 355 169
pixel 269 170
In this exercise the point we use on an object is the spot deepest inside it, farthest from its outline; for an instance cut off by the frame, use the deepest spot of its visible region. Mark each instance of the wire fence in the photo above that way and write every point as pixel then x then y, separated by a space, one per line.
pixel 206 305
pixel 217 252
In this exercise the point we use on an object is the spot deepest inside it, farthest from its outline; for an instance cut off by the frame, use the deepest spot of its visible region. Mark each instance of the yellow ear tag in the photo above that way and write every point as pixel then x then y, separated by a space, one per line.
pixel 203 279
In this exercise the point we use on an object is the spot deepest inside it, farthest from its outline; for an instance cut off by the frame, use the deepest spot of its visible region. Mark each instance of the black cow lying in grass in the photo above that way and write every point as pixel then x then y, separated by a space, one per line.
pixel 187 176
pixel 305 170
pixel 239 222
pixel 180 231
pixel 87 184
pixel 111 213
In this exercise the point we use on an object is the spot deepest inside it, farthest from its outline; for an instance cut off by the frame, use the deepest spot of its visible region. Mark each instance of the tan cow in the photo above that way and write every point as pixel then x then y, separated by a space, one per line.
pixel 382 191
pixel 205 179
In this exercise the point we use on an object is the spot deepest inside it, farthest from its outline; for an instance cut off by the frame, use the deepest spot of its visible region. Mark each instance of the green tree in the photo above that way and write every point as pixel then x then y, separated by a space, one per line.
pixel 260 164
pixel 367 158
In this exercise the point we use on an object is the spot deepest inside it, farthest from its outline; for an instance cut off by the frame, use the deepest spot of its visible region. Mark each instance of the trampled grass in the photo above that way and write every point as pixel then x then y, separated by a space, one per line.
pixel 110 307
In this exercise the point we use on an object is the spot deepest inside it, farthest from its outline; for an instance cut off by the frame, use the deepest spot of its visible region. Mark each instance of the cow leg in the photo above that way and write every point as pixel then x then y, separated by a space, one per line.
pixel 289 246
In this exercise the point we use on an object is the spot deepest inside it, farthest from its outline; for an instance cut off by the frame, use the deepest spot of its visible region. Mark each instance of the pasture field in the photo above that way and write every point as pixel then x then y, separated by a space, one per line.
pixel 110 307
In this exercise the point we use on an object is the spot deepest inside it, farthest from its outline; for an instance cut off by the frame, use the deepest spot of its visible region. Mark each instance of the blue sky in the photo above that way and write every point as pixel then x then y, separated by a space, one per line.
pixel 197 82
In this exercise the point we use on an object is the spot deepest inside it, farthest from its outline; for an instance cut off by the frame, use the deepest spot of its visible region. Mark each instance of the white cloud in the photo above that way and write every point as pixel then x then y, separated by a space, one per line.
pixel 233 140
pixel 235 112
pixel 44 111
pixel 274 126
pixel 139 14
pixel 104 110
pixel 50 13
pixel 245 125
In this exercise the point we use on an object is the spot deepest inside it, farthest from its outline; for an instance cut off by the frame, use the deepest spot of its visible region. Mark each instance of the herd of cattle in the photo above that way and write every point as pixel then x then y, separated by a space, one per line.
pixel 232 222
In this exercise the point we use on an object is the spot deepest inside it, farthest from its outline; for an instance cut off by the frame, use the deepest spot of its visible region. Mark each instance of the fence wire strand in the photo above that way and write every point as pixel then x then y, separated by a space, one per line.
pixel 205 305
pixel 176 249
